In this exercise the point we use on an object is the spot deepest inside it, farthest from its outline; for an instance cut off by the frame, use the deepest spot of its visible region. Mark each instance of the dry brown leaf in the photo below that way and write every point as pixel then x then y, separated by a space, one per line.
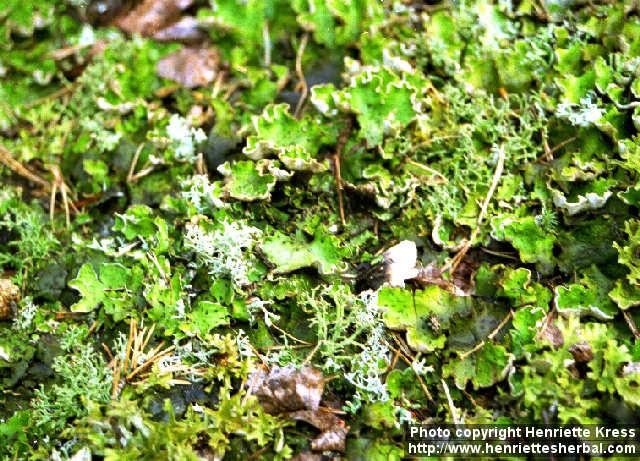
pixel 331 440
pixel 150 16
pixel 190 67
pixel 285 389
pixel 319 419
pixel 581 352
pixel 187 30
pixel 307 456
pixel 333 429
pixel 297 393
pixel 552 333
pixel 9 296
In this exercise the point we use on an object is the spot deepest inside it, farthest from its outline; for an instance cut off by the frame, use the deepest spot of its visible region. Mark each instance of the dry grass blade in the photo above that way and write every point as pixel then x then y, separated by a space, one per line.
pixel 7 160
pixel 631 323
pixel 342 141
pixel 490 337
pixel 304 89
pixel 128 368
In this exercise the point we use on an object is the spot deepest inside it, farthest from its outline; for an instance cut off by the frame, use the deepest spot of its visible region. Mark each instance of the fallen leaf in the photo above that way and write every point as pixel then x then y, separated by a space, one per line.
pixel 400 263
pixel 320 419
pixel 307 456
pixel 150 16
pixel 333 429
pixel 552 333
pixel 297 393
pixel 286 389
pixel 330 440
pixel 432 275
pixel 581 352
pixel 190 67
pixel 102 12
pixel 187 30
pixel 9 295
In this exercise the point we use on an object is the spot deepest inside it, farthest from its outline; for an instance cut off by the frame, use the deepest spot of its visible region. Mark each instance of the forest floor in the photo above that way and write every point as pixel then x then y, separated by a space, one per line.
pixel 260 229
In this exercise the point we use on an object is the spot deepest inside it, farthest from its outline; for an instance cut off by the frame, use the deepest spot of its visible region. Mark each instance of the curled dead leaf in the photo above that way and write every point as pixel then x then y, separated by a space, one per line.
pixel 296 393
pixel 581 352
pixel 307 456
pixel 331 440
pixel 400 263
pixel 286 389
pixel 333 429
pixel 102 12
pixel 187 30
pixel 150 16
pixel 432 275
pixel 9 296
pixel 190 67
pixel 552 333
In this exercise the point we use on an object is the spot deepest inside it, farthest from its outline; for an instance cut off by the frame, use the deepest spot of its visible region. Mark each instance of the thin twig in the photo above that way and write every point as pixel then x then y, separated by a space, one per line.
pixel 453 263
pixel 7 160
pixel 286 346
pixel 304 89
pixel 452 407
pixel 501 254
pixel 132 327
pixel 217 84
pixel 201 165
pixel 117 370
pixel 332 410
pixel 267 44
pixel 497 329
pixel 59 183
pixel 342 141
pixel 548 152
pixel 93 327
pixel 149 333
pixel 632 324
pixel 134 163
pixel 409 359
pixel 313 352
pixel 559 146
pixel 154 358
pixel 490 337
pixel 107 351
pixel 290 336
pixel 55 95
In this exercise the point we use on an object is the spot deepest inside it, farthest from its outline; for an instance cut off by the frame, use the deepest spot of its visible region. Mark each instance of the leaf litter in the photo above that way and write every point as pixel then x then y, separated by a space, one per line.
pixel 324 214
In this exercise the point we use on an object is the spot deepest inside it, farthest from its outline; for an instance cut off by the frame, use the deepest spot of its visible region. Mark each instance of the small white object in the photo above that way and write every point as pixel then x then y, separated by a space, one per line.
pixel 84 454
pixel 400 263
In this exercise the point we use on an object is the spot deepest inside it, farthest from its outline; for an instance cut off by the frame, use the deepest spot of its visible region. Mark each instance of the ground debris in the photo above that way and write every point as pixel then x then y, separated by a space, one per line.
pixel 432 275
pixel 296 393
pixel 333 429
pixel 581 352
pixel 400 263
pixel 9 296
pixel 186 30
pixel 190 67
pixel 552 333
pixel 284 389
pixel 307 456
pixel 151 16
pixel 631 368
